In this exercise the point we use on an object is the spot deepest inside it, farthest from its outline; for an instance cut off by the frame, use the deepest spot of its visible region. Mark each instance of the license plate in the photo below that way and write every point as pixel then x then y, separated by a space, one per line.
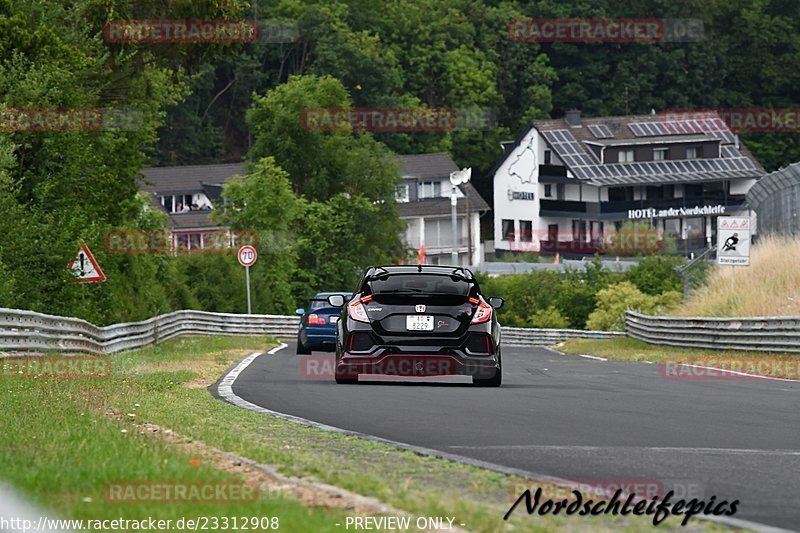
pixel 334 319
pixel 419 322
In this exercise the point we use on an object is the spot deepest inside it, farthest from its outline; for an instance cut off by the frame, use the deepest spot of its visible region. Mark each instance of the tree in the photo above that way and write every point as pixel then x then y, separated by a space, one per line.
pixel 262 201
pixel 320 164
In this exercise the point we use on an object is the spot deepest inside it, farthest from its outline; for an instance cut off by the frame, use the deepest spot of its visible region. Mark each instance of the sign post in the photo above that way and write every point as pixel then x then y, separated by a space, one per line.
pixel 458 177
pixel 733 243
pixel 247 255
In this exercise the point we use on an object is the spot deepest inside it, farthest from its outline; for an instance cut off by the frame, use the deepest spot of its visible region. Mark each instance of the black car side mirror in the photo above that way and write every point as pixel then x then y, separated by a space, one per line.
pixel 336 300
pixel 496 302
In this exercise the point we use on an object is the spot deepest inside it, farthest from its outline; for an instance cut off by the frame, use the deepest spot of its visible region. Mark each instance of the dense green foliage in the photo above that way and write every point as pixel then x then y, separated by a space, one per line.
pixel 322 202
pixel 457 53
pixel 615 299
pixel 584 298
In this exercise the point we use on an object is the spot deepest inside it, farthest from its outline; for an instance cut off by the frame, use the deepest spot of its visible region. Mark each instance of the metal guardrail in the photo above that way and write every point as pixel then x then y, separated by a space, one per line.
pixel 28 332
pixel 770 334
pixel 545 337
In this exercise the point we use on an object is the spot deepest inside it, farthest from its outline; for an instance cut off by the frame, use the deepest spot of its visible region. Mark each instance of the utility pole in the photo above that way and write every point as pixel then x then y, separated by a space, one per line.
pixel 456 178
pixel 469 226
pixel 454 226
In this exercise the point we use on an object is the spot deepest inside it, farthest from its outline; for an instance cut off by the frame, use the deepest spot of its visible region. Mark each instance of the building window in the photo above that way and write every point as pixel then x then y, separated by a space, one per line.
pixel 508 230
pixel 672 227
pixel 526 230
pixel 715 190
pixel 660 154
pixel 548 156
pixel 693 190
pixel 620 194
pixel 548 190
pixel 561 191
pixel 625 156
pixel 654 192
pixel 429 189
pixel 552 232
pixel 694 228
pixel 401 194
pixel 579 231
pixel 691 153
pixel 439 232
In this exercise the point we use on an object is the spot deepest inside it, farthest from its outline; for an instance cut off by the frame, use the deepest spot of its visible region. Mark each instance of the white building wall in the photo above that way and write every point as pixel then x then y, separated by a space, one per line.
pixel 572 193
pixel 518 173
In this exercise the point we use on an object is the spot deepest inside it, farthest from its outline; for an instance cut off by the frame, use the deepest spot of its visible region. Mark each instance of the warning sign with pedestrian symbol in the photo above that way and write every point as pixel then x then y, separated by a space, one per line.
pixel 84 267
pixel 733 241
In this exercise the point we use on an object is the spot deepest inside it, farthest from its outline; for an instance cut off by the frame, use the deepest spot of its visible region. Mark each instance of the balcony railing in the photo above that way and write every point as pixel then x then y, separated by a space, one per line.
pixel 623 206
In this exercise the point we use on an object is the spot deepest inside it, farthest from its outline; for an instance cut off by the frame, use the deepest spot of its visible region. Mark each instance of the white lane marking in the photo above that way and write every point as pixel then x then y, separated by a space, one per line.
pixel 549 349
pixel 225 390
pixel 729 451
pixel 278 348
pixel 593 357
pixel 687 364
pixel 738 373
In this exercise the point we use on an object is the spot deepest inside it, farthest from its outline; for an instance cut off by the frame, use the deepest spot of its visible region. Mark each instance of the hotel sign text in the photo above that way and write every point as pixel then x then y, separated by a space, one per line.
pixel 520 195
pixel 651 212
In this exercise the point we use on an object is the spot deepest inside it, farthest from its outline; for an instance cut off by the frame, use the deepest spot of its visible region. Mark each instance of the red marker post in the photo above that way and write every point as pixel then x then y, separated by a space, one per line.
pixel 247 255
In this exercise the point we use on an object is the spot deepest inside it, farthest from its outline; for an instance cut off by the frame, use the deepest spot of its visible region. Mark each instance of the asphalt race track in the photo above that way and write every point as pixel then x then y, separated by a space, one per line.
pixel 574 418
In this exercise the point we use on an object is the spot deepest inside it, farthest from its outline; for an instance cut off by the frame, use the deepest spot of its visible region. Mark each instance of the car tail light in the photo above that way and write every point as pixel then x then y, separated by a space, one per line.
pixel 356 309
pixel 314 320
pixel 483 313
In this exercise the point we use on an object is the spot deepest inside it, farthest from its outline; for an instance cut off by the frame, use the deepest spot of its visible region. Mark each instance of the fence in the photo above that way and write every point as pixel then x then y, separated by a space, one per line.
pixel 770 334
pixel 27 332
pixel 545 337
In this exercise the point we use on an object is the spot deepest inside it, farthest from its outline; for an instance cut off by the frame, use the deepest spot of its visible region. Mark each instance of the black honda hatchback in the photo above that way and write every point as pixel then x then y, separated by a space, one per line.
pixel 418 321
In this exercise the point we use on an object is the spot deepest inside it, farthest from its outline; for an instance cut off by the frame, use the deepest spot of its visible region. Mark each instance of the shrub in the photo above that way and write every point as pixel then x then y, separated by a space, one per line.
pixel 524 294
pixel 615 299
pixel 656 274
pixel 548 318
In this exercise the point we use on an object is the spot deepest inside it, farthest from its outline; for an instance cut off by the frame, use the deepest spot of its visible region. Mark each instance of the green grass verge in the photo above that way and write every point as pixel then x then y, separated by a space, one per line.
pixel 627 349
pixel 61 449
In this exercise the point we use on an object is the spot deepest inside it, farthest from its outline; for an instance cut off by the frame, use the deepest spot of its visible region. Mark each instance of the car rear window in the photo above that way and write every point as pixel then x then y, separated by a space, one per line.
pixel 316 304
pixel 420 283
pixel 318 301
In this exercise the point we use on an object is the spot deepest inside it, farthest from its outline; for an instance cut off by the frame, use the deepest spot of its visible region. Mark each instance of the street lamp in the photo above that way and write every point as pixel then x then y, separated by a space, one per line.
pixel 459 177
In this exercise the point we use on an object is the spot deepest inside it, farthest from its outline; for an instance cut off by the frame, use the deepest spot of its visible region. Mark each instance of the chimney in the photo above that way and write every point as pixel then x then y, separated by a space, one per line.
pixel 573 118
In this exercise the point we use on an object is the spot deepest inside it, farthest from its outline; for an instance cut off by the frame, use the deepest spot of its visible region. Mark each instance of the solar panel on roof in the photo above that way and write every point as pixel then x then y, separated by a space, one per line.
pixel 636 129
pixel 600 131
pixel 585 164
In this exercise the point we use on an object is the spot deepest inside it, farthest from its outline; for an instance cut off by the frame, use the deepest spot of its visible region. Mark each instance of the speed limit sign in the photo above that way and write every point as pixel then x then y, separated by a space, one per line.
pixel 247 255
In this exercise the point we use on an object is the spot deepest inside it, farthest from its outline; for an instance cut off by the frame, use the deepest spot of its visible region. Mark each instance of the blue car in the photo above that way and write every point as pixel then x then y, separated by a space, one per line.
pixel 318 323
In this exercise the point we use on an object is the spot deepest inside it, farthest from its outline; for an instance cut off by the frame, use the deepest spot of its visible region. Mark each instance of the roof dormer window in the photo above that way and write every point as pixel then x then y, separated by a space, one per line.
pixel 625 156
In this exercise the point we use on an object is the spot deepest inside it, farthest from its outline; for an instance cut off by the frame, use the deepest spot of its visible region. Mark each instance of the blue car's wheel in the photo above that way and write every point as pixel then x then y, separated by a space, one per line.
pixel 302 349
